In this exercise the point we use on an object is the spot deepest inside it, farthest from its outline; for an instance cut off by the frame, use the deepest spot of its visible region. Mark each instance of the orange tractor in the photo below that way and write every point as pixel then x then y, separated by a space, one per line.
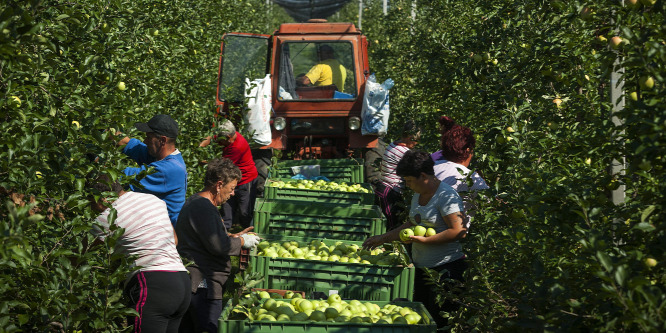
pixel 318 72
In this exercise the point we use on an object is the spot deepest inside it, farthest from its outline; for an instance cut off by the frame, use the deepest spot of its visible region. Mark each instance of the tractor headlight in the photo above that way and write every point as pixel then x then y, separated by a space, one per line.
pixel 279 123
pixel 354 123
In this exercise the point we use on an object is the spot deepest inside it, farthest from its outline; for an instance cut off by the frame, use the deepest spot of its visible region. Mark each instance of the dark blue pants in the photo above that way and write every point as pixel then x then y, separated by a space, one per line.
pixel 161 298
pixel 425 293
pixel 203 313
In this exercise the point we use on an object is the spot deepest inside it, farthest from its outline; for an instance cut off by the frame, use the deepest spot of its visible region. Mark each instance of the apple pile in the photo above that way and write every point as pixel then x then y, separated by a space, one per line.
pixel 319 185
pixel 418 230
pixel 333 309
pixel 318 250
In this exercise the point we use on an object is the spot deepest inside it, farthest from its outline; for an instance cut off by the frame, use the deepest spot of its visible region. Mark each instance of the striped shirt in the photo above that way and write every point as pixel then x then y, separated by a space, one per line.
pixel 392 155
pixel 148 231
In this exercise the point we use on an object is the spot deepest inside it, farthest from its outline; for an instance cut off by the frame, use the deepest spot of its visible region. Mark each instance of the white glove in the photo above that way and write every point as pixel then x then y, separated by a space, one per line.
pixel 250 241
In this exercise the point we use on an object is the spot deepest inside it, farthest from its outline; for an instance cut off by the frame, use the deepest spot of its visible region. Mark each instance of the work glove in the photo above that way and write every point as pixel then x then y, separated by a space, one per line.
pixel 250 241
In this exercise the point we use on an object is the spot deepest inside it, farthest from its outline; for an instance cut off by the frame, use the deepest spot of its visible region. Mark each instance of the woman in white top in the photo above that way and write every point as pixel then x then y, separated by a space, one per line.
pixel 453 160
pixel 159 289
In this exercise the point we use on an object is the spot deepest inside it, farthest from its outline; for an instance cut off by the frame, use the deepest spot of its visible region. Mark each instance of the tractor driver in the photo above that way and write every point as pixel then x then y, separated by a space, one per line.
pixel 328 71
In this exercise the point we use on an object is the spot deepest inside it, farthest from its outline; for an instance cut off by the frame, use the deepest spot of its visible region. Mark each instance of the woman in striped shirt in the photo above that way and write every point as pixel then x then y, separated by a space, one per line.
pixel 159 289
pixel 390 186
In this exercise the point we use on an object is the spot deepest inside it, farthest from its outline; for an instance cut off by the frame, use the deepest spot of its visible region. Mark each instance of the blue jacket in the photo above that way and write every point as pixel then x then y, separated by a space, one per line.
pixel 168 182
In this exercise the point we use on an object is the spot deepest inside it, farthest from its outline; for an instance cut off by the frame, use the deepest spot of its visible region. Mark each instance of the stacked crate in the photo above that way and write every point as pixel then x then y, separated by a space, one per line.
pixel 229 324
pixel 301 215
pixel 304 216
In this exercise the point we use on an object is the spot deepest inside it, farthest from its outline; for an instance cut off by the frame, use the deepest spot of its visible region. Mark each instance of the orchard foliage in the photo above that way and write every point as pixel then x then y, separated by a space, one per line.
pixel 549 249
pixel 69 71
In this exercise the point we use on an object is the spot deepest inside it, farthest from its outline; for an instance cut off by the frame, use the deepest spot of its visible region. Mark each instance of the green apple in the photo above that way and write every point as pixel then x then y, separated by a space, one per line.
pixel 269 304
pixel 295 301
pixel 650 262
pixel 356 319
pixel 318 316
pixel 264 294
pixel 121 85
pixel 277 296
pixel 430 232
pixel 646 82
pixel 419 230
pixel 285 310
pixel 372 307
pixel 405 311
pixel 412 318
pixel 283 317
pixel 405 234
pixel 633 95
pixel 346 313
pixel 477 58
pixel 341 319
pixel 301 316
pixel 331 312
pixel 305 305
pixel 289 294
pixel 263 245
pixel 334 298
pixel 266 317
pixel 270 253
pixel 297 253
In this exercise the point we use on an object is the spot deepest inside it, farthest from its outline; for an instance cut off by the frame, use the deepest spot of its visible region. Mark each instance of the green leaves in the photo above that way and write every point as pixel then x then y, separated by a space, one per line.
pixel 61 65
pixel 550 176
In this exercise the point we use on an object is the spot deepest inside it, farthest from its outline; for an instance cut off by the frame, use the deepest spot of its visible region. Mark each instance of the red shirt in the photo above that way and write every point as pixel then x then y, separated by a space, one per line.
pixel 239 153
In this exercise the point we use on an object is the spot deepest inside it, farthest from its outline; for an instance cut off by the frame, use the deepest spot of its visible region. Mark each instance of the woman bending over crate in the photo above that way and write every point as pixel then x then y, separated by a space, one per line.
pixel 436 205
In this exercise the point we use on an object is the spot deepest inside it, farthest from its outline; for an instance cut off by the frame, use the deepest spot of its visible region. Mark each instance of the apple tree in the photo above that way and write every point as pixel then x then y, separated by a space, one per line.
pixel 73 73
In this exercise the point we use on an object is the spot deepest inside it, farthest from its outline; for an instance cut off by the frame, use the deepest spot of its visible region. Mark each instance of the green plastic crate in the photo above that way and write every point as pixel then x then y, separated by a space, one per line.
pixel 359 198
pixel 338 170
pixel 227 325
pixel 351 280
pixel 318 219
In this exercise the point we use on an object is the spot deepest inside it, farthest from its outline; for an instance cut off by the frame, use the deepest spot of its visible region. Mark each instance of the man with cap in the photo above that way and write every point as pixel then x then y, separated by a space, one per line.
pixel 239 209
pixel 158 150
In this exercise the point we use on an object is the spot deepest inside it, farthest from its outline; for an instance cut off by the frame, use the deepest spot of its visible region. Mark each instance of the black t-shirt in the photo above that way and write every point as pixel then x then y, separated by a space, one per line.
pixel 203 239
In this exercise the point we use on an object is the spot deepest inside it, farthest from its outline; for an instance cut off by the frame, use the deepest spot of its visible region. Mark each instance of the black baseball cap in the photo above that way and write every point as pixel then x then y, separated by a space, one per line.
pixel 160 124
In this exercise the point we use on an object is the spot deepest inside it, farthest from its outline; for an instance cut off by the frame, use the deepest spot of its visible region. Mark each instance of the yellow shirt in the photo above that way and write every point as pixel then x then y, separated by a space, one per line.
pixel 328 72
